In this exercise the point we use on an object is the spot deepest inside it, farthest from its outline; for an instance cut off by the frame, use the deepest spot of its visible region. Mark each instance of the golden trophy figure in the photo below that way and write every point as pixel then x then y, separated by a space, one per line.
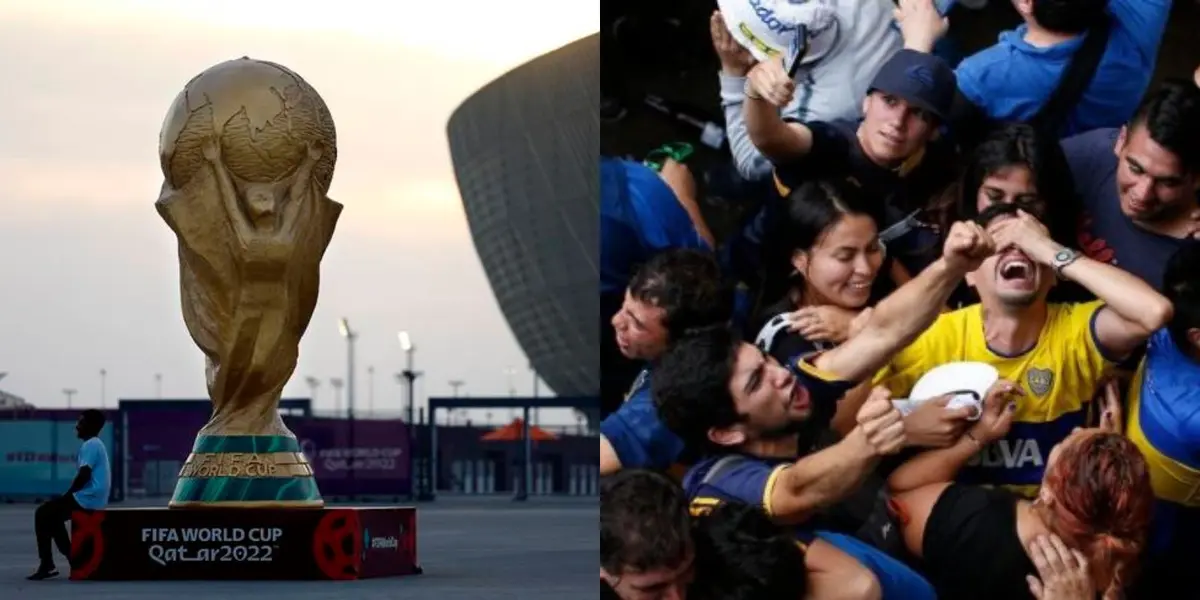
pixel 248 150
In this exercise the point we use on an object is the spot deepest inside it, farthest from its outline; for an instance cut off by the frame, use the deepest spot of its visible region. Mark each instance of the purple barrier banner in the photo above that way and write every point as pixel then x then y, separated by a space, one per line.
pixel 374 463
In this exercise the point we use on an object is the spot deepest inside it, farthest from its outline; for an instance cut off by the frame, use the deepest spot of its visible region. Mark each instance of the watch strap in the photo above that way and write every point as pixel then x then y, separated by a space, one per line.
pixel 1063 259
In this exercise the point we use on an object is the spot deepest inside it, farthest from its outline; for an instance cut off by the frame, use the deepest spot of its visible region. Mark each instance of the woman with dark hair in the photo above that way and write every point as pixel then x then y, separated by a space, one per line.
pixel 976 542
pixel 1015 164
pixel 828 241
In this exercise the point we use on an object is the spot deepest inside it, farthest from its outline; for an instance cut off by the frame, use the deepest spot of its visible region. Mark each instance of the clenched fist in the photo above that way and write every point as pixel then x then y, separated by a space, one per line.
pixel 967 245
pixel 881 424
pixel 769 80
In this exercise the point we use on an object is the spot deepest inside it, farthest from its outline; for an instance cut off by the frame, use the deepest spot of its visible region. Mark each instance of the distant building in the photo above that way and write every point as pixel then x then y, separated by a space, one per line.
pixel 525 156
pixel 8 400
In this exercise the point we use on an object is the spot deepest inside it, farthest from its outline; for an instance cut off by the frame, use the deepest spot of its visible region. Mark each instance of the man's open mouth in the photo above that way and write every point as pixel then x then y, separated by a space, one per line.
pixel 1015 267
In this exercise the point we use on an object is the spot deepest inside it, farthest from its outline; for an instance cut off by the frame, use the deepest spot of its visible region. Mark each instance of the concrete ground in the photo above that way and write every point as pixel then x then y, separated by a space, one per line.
pixel 470 548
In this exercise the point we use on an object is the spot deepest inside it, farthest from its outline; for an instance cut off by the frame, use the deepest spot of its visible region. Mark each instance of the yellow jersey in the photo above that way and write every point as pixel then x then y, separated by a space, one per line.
pixel 1059 376
pixel 1163 421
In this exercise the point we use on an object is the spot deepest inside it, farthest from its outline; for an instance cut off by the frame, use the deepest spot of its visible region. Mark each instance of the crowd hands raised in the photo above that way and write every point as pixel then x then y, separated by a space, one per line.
pixel 936 216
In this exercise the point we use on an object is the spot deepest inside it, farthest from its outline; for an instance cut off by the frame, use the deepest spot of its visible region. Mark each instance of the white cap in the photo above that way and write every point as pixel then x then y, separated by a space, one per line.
pixel 974 378
pixel 767 28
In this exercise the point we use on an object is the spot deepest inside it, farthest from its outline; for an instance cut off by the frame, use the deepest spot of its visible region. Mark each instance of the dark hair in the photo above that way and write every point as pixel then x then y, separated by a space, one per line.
pixel 809 211
pixel 1013 144
pixel 690 385
pixel 93 418
pixel 644 522
pixel 742 555
pixel 1181 285
pixel 688 285
pixel 1069 16
pixel 1171 115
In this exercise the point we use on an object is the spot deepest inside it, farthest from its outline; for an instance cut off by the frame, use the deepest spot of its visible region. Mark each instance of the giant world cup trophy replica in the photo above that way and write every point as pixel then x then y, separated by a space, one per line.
pixel 247 151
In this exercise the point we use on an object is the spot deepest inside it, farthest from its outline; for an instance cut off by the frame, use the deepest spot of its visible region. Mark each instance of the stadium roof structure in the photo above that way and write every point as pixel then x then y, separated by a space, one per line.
pixel 524 149
pixel 8 400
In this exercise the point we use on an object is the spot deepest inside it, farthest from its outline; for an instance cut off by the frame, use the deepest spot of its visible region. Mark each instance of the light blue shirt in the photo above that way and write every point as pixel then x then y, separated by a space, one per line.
pixel 1013 79
pixel 94 495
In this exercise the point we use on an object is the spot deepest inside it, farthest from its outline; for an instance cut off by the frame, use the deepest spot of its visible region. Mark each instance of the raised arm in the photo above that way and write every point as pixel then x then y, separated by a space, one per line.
pixel 228 192
pixel 736 62
pixel 902 316
pixel 942 465
pixel 825 477
pixel 299 196
pixel 1133 310
pixel 769 89
pixel 920 24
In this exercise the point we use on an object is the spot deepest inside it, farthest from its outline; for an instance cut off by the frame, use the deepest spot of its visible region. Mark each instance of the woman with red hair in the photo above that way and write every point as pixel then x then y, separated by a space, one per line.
pixel 981 543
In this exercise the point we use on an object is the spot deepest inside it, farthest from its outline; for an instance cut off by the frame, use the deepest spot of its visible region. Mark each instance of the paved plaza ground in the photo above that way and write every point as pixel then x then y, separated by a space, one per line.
pixel 470 548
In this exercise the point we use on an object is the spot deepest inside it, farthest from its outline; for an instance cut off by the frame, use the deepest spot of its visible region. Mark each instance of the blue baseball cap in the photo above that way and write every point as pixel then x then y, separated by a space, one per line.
pixel 923 80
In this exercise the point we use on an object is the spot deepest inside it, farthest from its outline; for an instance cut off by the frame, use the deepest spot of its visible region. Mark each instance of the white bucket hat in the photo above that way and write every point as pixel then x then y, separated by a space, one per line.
pixel 767 28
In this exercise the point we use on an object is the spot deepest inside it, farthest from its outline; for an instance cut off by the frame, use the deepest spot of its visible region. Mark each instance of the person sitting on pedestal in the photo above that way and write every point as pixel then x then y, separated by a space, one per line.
pixel 88 491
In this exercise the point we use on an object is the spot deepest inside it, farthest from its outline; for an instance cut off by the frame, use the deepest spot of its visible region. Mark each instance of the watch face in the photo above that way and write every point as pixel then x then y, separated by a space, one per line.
pixel 1063 256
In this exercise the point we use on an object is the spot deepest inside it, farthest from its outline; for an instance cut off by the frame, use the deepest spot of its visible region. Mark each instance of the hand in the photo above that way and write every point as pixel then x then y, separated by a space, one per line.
pixel 1194 222
pixel 933 425
pixel 1111 415
pixel 769 80
pixel 920 24
pixel 881 424
pixel 998 409
pixel 967 245
pixel 860 322
pixel 1027 234
pixel 735 60
pixel 211 147
pixel 1063 571
pixel 679 178
pixel 315 151
pixel 822 323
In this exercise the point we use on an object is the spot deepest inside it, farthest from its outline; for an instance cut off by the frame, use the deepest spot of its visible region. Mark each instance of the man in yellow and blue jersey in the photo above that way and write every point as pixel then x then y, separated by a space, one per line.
pixel 1057 353
pixel 1163 420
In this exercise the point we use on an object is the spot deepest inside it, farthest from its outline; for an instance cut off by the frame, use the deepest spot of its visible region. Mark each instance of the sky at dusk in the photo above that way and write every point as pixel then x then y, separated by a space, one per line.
pixel 88 270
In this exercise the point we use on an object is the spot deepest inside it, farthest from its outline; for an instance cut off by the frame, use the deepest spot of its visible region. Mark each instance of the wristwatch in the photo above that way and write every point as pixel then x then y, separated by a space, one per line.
pixel 1063 259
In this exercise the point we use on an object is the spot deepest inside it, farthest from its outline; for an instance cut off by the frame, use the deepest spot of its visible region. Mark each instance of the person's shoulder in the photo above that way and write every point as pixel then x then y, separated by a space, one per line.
pixel 996 55
pixel 1071 315
pixel 990 64
pixel 954 321
pixel 1095 141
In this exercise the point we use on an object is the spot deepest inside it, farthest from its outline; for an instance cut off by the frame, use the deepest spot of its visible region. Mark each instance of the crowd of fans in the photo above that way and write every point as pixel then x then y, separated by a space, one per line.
pixel 1034 209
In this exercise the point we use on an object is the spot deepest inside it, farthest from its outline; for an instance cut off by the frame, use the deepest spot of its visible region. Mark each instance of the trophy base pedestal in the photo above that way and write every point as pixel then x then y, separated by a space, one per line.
pixel 246 471
pixel 227 543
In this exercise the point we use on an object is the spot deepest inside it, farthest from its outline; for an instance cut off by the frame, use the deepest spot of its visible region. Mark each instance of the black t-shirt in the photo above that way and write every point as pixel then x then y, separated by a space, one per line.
pixel 971 548
pixel 836 154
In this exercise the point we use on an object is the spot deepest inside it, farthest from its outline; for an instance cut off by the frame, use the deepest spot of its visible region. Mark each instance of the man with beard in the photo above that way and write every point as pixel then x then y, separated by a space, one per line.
pixel 1058 353
pixel 1139 183
pixel 745 409
pixel 676 291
